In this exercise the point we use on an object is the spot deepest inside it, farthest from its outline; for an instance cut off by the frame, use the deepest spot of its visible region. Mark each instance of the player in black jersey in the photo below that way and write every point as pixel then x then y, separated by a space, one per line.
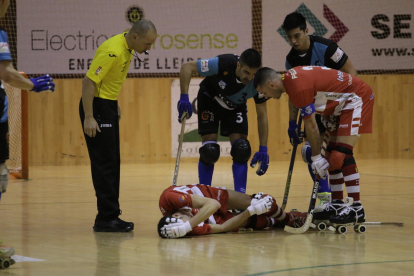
pixel 221 100
pixel 317 51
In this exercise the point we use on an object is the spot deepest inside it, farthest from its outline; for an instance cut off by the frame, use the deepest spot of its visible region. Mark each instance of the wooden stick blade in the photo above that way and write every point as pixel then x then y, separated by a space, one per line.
pixel 302 229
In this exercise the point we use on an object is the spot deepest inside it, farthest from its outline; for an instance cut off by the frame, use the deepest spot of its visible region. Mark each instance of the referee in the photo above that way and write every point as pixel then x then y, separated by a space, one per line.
pixel 100 114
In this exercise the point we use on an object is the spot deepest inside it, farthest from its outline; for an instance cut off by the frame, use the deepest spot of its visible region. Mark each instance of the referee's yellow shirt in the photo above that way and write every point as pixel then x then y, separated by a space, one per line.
pixel 110 66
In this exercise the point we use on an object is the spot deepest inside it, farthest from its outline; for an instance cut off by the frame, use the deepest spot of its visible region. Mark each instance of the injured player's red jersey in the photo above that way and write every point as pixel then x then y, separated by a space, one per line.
pixel 175 198
pixel 328 89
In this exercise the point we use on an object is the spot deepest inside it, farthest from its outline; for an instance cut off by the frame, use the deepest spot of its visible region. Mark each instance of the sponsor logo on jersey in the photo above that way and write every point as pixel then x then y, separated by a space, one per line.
pixel 337 55
pixel 372 96
pixel 111 55
pixel 105 125
pixel 225 73
pixel 293 73
pixel 204 65
pixel 98 71
pixel 343 126
pixel 222 84
pixel 181 198
pixel 4 47
pixel 207 116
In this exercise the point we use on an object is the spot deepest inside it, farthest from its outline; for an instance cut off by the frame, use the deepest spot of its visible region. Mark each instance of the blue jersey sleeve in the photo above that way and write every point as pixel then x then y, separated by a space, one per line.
pixel 4 46
pixel 208 67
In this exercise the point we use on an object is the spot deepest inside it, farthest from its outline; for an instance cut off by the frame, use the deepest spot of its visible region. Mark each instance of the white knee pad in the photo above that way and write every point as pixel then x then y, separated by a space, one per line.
pixel 4 177
pixel 306 153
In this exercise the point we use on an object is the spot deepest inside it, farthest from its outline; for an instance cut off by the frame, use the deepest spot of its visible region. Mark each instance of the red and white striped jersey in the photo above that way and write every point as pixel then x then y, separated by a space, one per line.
pixel 330 90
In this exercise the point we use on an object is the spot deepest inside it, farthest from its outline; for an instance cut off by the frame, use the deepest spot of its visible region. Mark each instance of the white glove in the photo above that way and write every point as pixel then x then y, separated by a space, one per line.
pixel 256 198
pixel 319 165
pixel 176 230
pixel 261 206
pixel 4 178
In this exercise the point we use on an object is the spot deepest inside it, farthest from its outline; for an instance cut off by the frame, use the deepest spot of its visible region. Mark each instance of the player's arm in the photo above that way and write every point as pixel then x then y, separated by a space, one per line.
pixel 257 207
pixel 88 91
pixel 12 77
pixel 312 134
pixel 207 207
pixel 262 123
pixel 319 164
pixel 231 224
pixel 349 68
pixel 186 73
pixel 15 79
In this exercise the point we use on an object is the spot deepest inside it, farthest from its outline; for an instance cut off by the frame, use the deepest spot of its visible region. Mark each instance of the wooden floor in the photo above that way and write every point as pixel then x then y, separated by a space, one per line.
pixel 48 220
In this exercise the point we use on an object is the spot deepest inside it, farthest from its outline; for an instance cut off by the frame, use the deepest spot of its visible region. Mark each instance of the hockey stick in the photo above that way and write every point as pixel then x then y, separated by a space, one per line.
pixel 382 223
pixel 180 145
pixel 292 162
pixel 309 217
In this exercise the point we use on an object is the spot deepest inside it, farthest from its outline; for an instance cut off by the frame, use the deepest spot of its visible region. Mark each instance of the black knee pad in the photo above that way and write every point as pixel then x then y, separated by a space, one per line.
pixel 209 153
pixel 241 150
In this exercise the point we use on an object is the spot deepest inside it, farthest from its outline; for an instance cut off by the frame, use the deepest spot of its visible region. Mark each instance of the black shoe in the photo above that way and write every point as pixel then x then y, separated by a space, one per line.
pixel 329 210
pixel 350 214
pixel 115 225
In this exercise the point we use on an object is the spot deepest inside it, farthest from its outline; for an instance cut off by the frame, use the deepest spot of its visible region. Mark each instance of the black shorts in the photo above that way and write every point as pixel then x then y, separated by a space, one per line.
pixel 211 115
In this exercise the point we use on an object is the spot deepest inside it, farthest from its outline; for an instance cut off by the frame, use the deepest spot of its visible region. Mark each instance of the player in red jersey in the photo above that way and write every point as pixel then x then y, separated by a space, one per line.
pixel 200 209
pixel 346 105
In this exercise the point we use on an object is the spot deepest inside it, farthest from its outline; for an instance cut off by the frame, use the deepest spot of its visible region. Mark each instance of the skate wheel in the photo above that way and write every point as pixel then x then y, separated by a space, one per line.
pixel 341 229
pixel 293 210
pixel 5 264
pixel 359 228
pixel 322 226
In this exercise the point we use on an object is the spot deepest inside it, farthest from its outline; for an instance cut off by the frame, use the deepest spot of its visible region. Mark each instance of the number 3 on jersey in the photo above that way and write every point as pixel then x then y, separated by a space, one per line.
pixel 239 118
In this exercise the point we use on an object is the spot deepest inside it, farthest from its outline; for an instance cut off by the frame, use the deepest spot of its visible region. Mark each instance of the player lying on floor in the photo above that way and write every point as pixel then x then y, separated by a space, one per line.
pixel 200 210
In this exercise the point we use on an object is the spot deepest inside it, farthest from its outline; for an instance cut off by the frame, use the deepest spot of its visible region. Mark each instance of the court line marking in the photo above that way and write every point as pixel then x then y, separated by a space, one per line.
pixel 322 266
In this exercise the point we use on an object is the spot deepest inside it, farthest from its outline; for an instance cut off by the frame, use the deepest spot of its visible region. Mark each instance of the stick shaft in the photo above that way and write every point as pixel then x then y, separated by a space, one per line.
pixel 180 145
pixel 290 172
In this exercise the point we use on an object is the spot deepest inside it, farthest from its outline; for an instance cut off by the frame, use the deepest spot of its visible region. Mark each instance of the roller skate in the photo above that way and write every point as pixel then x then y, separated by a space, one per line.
pixel 325 211
pixel 5 257
pixel 350 215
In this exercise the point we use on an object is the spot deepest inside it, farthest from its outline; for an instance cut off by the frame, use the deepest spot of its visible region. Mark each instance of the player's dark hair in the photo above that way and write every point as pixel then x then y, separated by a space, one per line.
pixel 162 223
pixel 263 75
pixel 251 58
pixel 294 20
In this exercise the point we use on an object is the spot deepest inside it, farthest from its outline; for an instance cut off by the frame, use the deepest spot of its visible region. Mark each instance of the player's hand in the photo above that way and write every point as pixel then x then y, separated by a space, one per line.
pixel 262 158
pixel 43 83
pixel 176 230
pixel 184 105
pixel 294 133
pixel 320 165
pixel 256 198
pixel 261 206
pixel 90 126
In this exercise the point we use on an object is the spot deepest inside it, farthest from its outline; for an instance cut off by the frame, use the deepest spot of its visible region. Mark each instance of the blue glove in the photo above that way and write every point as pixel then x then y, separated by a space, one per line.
pixel 293 133
pixel 263 158
pixel 184 105
pixel 42 83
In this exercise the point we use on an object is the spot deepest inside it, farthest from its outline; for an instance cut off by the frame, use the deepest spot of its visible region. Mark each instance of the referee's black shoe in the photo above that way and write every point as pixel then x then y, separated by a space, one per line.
pixel 115 225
